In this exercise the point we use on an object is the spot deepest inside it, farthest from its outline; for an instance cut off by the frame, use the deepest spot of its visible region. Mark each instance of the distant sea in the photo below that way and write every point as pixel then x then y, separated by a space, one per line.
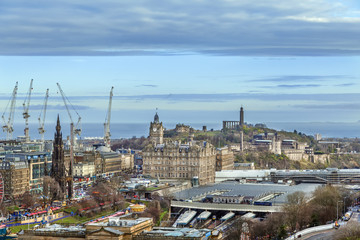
pixel 129 130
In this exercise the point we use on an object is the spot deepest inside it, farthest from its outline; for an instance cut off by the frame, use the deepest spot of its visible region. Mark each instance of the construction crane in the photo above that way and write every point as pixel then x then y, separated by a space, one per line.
pixel 41 119
pixel 77 127
pixel 26 115
pixel 8 124
pixel 107 121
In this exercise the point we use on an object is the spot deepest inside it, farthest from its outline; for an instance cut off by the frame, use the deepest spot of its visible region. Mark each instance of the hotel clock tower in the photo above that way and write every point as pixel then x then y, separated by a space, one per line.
pixel 156 131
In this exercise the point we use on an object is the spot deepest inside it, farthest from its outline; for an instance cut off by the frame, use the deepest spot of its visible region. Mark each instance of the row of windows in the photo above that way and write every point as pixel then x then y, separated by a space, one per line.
pixel 182 153
pixel 180 175
pixel 172 162
pixel 171 169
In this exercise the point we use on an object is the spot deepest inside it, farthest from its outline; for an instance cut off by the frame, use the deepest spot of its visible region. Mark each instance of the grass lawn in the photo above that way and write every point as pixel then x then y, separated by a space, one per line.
pixel 77 219
pixel 21 227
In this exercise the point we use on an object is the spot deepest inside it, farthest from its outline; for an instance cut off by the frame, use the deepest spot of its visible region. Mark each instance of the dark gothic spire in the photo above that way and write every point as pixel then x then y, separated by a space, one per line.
pixel 58 127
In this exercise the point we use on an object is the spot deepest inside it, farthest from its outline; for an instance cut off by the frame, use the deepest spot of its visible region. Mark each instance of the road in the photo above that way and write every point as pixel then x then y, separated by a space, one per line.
pixel 324 235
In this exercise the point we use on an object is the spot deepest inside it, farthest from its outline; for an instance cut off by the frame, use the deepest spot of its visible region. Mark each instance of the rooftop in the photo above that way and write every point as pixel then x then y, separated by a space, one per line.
pixel 177 232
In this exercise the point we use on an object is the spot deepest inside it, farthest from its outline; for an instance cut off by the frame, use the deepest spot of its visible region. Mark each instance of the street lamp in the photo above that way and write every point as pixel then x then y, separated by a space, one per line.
pixel 337 210
pixel 344 205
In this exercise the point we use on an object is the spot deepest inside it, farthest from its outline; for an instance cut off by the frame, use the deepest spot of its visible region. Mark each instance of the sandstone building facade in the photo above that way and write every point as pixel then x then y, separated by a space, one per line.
pixel 175 160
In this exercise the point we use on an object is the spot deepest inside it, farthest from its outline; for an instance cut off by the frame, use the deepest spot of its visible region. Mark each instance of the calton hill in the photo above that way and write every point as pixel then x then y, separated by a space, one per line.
pixel 344 153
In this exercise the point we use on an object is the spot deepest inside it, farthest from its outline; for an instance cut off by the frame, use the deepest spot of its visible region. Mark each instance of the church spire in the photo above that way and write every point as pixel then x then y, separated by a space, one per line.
pixel 58 127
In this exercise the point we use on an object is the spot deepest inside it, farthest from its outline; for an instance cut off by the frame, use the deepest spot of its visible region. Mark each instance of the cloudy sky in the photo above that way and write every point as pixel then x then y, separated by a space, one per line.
pixel 196 61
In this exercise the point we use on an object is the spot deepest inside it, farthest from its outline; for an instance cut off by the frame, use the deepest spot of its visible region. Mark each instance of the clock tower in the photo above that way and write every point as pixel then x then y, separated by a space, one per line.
pixel 156 132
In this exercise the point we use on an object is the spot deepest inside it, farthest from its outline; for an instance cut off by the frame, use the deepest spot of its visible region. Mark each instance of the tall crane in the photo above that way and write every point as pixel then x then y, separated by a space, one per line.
pixel 8 124
pixel 77 127
pixel 26 115
pixel 107 121
pixel 73 131
pixel 41 119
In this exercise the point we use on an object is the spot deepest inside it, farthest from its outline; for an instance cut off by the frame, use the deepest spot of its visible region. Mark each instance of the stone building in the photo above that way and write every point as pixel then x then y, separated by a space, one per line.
pixel 90 158
pixel 224 159
pixel 129 227
pixel 37 161
pixel 15 173
pixel 182 128
pixel 174 160
pixel 84 170
pixel 113 228
pixel 235 125
pixel 113 162
pixel 156 132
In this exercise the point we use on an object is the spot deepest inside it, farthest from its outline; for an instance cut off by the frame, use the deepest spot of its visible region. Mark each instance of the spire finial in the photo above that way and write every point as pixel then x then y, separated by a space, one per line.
pixel 58 127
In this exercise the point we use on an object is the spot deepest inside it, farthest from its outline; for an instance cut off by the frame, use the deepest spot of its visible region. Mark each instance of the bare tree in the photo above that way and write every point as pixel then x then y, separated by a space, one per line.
pixel 104 192
pixel 349 231
pixel 27 199
pixel 273 227
pixel 152 212
pixel 51 190
pixel 297 210
pixel 325 202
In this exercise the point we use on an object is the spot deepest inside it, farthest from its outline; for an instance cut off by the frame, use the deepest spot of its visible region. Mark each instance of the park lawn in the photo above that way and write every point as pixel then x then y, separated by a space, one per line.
pixel 17 229
pixel 13 208
pixel 77 219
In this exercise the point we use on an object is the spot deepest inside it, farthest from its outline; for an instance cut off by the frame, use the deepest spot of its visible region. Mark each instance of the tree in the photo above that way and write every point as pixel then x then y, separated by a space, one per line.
pixel 27 199
pixel 297 210
pixel 106 192
pixel 152 212
pixel 272 227
pixel 325 203
pixel 51 190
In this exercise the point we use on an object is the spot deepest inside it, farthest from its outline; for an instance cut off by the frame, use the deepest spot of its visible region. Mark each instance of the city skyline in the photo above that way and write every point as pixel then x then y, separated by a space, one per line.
pixel 283 61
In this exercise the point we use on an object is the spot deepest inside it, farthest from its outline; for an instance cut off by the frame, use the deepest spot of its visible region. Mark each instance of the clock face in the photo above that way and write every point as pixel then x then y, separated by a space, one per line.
pixel 154 129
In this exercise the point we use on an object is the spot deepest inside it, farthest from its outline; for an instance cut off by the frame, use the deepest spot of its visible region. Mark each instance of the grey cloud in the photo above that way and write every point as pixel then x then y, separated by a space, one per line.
pixel 298 85
pixel 339 106
pixel 216 97
pixel 244 96
pixel 226 97
pixel 300 78
pixel 344 85
pixel 170 27
pixel 55 107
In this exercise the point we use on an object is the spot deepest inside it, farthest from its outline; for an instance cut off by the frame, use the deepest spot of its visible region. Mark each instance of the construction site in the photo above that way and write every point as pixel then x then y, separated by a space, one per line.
pixel 25 160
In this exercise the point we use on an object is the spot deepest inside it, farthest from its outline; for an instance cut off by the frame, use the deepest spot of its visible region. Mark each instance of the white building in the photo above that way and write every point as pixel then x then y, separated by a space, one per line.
pixel 84 169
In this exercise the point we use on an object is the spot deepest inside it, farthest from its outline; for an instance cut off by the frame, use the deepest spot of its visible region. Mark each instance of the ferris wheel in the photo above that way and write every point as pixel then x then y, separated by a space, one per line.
pixel 1 188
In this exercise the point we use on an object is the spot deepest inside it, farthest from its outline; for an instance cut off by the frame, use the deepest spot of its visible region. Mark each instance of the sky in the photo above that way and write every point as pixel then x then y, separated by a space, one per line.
pixel 194 61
